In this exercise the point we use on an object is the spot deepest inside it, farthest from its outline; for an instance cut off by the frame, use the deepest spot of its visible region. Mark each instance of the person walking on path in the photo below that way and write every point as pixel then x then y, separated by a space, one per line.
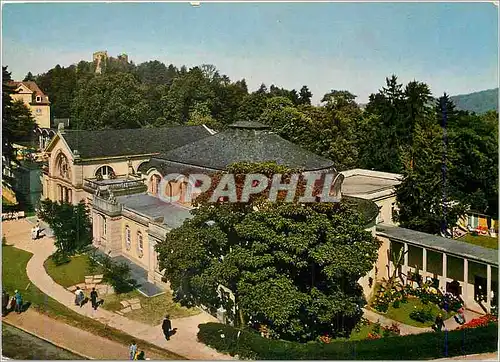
pixel 93 298
pixel 132 350
pixel 439 323
pixel 80 297
pixel 37 229
pixel 19 301
pixel 141 356
pixel 33 233
pixel 166 326
pixel 5 302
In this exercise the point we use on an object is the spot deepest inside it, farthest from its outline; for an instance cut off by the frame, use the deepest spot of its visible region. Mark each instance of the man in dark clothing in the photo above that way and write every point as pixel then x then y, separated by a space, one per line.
pixel 166 326
pixel 93 298
pixel 439 323
pixel 5 302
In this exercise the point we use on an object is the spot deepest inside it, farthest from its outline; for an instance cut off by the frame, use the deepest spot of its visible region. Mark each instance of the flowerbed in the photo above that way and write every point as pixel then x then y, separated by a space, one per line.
pixel 427 293
pixel 482 321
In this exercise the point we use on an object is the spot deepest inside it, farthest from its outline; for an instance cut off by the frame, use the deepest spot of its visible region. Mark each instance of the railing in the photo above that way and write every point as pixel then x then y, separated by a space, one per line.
pixel 106 206
pixel 117 184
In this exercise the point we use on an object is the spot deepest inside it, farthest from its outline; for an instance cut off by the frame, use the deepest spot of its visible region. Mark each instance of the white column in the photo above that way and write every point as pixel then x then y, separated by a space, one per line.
pixel 424 264
pixel 405 263
pixel 445 266
pixel 488 288
pixel 465 294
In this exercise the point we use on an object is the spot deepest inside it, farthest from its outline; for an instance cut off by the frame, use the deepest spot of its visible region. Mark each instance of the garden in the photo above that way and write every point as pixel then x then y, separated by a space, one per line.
pixel 153 309
pixel 415 306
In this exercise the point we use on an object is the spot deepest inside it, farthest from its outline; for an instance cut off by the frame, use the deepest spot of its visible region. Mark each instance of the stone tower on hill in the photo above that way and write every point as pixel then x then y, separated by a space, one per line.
pixel 99 58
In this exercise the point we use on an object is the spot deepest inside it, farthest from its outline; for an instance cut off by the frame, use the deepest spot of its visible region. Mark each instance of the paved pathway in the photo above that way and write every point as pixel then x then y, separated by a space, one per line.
pixel 474 357
pixel 449 324
pixel 405 328
pixel 184 342
pixel 71 338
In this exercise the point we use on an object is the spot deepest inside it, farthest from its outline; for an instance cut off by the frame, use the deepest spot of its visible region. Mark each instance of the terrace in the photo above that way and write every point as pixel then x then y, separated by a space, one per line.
pixel 121 185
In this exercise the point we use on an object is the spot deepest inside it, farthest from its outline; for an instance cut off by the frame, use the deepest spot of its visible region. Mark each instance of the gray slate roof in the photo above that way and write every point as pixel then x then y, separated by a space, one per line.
pixel 246 142
pixel 456 248
pixel 152 207
pixel 167 167
pixel 128 142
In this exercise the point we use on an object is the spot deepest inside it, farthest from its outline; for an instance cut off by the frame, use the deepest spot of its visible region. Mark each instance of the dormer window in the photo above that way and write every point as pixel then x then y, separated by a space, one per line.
pixel 38 99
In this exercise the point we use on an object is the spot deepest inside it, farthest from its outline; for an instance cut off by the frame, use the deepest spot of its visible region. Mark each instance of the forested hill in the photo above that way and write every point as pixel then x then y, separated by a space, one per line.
pixel 478 102
pixel 398 131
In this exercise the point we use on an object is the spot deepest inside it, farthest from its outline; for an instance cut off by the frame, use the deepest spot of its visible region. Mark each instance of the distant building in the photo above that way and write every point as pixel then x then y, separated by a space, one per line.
pixel 99 58
pixel 35 100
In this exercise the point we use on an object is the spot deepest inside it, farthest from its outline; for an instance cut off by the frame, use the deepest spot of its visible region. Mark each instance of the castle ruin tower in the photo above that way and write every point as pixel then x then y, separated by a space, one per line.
pixel 99 58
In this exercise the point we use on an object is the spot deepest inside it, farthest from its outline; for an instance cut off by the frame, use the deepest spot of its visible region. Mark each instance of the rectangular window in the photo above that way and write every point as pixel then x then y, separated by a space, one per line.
pixel 38 99
pixel 103 220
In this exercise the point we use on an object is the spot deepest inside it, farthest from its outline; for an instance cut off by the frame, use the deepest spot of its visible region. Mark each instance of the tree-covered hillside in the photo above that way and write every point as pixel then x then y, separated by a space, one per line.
pixel 399 130
pixel 478 102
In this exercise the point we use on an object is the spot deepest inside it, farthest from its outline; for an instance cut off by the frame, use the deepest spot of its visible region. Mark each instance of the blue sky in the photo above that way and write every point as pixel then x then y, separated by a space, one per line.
pixel 451 46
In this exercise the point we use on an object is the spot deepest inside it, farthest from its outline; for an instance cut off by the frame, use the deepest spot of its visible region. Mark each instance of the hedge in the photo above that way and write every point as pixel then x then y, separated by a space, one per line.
pixel 250 345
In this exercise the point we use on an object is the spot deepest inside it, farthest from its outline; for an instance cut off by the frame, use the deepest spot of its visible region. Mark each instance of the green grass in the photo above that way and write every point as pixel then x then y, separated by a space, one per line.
pixel 362 333
pixel 70 273
pixel 402 314
pixel 14 277
pixel 484 241
pixel 153 309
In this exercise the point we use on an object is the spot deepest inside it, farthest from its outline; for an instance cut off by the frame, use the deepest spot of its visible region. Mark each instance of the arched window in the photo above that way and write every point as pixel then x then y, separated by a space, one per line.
pixel 183 192
pixel 154 183
pixel 128 241
pixel 140 245
pixel 105 172
pixel 170 189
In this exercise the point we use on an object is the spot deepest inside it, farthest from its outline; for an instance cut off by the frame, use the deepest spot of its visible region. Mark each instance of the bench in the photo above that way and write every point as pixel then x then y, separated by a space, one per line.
pixel 13 215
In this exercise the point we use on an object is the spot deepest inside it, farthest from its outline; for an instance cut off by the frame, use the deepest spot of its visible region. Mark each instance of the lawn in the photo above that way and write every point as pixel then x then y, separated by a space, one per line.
pixel 362 333
pixel 484 241
pixel 402 314
pixel 14 277
pixel 153 309
pixel 70 273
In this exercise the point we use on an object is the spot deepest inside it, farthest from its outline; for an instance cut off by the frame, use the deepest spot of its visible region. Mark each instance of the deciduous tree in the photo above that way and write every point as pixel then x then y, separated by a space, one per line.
pixel 292 267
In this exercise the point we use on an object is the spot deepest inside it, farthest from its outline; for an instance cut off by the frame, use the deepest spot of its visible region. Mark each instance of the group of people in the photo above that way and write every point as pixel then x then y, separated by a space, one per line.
pixel 35 231
pixel 439 322
pixel 80 298
pixel 15 303
pixel 134 353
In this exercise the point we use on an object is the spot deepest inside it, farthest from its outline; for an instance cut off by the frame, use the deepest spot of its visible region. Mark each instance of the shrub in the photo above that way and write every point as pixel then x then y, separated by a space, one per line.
pixel 116 274
pixel 422 315
pixel 60 258
pixel 250 345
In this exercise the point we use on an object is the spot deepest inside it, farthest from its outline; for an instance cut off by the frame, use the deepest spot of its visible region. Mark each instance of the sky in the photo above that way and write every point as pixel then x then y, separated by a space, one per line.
pixel 453 47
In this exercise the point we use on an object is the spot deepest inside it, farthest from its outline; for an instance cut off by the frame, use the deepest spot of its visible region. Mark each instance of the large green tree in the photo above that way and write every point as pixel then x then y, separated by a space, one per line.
pixel 427 197
pixel 110 101
pixel 71 226
pixel 293 267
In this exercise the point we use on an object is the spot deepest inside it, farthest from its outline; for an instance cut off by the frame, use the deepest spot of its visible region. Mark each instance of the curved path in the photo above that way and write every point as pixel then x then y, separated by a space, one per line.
pixel 449 324
pixel 185 340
